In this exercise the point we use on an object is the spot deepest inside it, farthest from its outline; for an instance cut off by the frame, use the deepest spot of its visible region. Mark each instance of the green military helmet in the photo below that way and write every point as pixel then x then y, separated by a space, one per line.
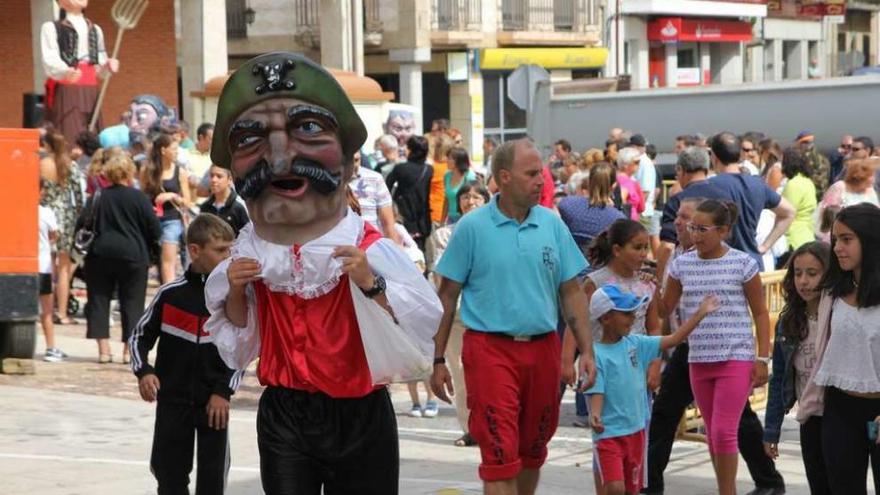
pixel 284 75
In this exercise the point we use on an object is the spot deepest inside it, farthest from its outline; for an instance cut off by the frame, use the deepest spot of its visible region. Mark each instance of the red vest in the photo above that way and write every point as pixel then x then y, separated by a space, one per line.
pixel 314 344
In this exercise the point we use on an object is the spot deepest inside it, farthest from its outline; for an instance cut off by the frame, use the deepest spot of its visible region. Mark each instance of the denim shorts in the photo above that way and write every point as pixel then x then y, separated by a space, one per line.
pixel 172 231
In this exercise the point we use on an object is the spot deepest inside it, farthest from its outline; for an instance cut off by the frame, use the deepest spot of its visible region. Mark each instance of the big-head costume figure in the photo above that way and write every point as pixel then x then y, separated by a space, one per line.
pixel 73 57
pixel 333 310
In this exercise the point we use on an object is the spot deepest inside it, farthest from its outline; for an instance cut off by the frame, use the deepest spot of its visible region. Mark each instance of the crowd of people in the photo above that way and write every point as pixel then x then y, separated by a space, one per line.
pixel 584 244
pixel 138 205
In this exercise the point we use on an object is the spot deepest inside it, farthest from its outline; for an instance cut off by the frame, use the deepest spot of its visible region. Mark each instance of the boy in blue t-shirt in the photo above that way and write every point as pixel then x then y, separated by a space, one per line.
pixel 618 399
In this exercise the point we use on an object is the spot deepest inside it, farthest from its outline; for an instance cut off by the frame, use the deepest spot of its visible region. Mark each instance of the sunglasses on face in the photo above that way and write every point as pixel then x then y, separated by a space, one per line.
pixel 857 148
pixel 694 228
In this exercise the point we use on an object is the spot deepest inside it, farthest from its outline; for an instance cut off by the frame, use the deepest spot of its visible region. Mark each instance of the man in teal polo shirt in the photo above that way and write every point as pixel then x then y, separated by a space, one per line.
pixel 512 262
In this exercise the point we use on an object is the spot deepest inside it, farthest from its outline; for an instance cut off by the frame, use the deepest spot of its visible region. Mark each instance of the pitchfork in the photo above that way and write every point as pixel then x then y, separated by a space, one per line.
pixel 126 14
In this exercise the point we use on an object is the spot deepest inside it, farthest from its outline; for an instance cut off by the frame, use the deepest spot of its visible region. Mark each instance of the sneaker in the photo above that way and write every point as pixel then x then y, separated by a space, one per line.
pixel 431 409
pixel 416 411
pixel 54 355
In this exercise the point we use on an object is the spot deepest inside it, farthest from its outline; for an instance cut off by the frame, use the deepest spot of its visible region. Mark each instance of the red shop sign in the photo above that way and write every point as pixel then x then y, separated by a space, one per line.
pixel 671 29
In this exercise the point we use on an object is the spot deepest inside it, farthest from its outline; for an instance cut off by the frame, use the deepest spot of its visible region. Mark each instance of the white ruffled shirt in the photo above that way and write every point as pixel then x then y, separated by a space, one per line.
pixel 400 350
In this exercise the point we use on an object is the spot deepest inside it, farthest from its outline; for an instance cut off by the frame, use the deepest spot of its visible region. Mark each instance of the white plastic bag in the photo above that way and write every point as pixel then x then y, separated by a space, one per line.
pixel 391 354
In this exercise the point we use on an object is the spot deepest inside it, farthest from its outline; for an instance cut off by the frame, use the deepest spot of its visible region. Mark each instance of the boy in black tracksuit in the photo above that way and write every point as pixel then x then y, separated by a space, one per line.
pixel 190 382
pixel 223 201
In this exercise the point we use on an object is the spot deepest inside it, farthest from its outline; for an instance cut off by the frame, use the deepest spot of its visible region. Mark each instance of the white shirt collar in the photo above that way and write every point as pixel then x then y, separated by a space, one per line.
pixel 309 272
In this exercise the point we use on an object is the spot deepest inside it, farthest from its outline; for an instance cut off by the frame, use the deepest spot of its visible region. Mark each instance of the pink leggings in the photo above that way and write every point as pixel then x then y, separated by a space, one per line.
pixel 721 390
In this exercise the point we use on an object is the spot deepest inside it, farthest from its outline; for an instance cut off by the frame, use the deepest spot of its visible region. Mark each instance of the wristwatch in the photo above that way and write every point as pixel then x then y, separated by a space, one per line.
pixel 440 360
pixel 377 288
pixel 765 360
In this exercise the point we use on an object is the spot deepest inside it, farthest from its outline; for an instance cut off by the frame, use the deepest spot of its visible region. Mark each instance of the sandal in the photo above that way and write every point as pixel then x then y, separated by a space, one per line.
pixel 64 321
pixel 465 440
pixel 105 358
pixel 126 358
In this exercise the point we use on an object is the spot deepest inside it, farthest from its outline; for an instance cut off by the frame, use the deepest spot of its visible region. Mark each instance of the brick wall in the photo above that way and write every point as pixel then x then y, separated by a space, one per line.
pixel 148 59
pixel 16 64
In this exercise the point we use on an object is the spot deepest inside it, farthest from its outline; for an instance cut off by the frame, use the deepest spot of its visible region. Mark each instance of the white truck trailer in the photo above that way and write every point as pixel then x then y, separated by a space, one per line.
pixel 828 107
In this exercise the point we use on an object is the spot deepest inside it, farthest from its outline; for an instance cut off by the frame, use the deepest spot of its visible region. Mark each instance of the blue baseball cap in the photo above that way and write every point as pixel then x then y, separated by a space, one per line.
pixel 610 297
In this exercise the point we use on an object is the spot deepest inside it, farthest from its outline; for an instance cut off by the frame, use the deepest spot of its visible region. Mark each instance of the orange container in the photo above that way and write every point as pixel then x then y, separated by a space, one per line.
pixel 19 198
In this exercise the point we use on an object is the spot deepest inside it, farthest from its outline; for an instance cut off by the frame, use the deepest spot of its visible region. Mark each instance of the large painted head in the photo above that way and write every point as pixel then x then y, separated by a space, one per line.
pixel 288 132
pixel 400 124
pixel 146 113
pixel 74 6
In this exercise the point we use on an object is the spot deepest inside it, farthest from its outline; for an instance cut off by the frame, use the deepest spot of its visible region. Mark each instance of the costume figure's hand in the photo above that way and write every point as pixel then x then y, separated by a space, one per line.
pixel 218 412
pixel 73 75
pixel 354 263
pixel 241 272
pixel 148 386
pixel 113 65
pixel 441 382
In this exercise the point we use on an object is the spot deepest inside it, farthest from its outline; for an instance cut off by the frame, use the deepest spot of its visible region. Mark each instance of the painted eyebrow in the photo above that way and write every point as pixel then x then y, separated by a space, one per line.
pixel 313 111
pixel 247 125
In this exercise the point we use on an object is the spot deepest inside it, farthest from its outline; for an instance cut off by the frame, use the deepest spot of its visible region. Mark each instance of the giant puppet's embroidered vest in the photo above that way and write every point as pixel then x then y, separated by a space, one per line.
pixel 68 39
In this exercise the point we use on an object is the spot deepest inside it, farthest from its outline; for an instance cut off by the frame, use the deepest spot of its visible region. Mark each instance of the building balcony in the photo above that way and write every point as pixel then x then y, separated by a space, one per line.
pixel 456 23
pixel 307 24
pixel 549 22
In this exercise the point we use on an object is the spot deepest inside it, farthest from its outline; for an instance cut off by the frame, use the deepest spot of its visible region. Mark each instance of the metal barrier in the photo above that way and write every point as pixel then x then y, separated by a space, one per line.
pixel 691 425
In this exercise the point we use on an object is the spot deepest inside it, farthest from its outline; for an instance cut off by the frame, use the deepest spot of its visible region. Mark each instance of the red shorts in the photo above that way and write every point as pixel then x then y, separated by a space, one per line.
pixel 513 397
pixel 622 459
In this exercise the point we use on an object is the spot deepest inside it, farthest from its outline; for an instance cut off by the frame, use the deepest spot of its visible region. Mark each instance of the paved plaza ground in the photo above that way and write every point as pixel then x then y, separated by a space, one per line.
pixel 80 428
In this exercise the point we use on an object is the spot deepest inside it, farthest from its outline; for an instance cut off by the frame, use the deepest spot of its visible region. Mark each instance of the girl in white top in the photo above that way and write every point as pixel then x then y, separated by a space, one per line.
pixel 723 368
pixel 849 368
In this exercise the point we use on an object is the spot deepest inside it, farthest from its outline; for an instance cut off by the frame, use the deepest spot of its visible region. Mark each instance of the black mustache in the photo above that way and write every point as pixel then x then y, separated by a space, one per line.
pixel 322 180
pixel 262 174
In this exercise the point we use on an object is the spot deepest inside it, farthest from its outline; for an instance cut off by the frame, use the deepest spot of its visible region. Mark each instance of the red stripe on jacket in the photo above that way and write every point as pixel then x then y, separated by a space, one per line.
pixel 183 320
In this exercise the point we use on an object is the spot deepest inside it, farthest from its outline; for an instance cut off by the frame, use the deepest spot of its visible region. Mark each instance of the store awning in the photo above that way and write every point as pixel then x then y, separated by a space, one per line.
pixel 548 58
pixel 672 29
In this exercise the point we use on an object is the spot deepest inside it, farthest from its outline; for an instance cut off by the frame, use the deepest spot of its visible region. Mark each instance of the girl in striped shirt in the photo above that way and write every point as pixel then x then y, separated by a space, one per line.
pixel 723 366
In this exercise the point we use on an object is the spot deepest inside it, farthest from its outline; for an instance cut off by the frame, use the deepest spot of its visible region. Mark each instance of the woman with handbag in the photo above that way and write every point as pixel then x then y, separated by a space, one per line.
pixel 123 227
pixel 64 195
pixel 410 186
pixel 167 185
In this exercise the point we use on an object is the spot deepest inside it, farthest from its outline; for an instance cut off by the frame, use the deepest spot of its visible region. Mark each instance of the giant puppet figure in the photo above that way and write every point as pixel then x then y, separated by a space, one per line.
pixel 73 56
pixel 333 310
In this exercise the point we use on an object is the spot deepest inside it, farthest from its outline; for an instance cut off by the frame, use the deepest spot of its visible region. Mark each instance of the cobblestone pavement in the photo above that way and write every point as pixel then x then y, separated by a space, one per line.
pixel 80 427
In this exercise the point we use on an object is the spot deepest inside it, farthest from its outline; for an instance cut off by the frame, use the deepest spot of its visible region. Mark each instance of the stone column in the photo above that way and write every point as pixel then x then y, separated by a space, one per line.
pixel 336 34
pixel 466 111
pixel 41 11
pixel 671 65
pixel 773 60
pixel 410 61
pixel 798 60
pixel 731 63
pixel 203 51
pixel 705 63
pixel 756 68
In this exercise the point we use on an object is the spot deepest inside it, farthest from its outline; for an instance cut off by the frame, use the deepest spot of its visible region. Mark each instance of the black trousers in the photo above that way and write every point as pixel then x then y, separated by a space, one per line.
pixel 814 460
pixel 177 427
pixel 310 440
pixel 845 443
pixel 674 397
pixel 104 277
